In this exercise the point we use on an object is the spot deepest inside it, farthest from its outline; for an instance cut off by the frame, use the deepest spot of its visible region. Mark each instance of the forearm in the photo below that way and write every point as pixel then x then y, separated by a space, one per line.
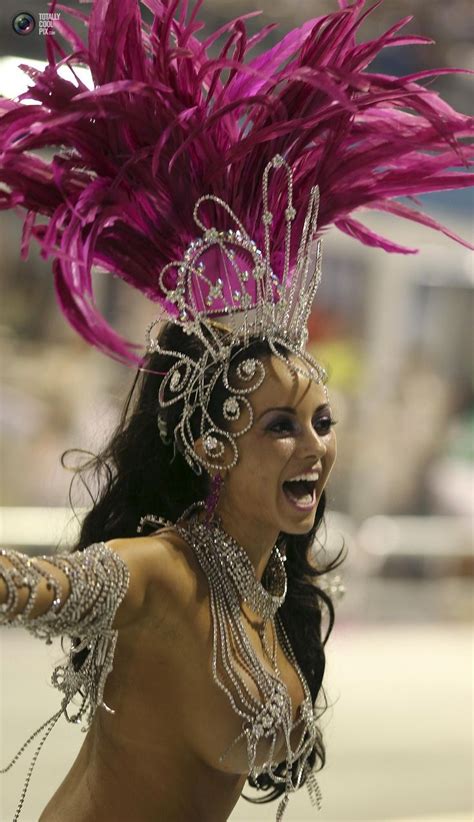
pixel 28 586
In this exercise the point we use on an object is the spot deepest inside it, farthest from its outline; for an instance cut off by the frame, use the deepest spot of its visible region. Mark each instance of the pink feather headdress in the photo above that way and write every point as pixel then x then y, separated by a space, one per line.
pixel 166 124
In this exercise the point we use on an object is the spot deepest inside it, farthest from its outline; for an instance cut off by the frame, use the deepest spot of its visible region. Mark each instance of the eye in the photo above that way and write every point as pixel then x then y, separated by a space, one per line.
pixel 282 426
pixel 324 424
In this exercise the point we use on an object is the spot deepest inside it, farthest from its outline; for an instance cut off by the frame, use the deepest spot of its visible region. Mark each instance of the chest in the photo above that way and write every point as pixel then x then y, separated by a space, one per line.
pixel 168 667
pixel 212 712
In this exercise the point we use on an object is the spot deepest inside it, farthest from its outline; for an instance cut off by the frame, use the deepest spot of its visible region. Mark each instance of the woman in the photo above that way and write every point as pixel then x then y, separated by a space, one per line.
pixel 174 719
pixel 197 650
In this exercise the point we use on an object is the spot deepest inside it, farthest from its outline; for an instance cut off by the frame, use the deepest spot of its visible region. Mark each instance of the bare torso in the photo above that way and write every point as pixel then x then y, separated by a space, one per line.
pixel 157 758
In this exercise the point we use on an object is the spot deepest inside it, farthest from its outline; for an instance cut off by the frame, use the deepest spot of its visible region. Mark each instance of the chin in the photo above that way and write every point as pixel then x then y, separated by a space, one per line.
pixel 303 527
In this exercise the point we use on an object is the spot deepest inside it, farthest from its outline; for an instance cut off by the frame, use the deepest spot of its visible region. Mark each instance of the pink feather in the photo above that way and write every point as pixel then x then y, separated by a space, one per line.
pixel 167 122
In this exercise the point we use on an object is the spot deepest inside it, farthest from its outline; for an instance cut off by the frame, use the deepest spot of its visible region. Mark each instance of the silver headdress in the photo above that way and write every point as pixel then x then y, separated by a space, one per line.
pixel 224 274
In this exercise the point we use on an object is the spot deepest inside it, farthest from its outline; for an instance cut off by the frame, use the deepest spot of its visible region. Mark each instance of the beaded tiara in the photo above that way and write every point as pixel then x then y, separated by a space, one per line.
pixel 183 131
pixel 255 303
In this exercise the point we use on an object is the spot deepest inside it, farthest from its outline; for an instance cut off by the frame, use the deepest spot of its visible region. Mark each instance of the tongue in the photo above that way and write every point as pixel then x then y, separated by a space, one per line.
pixel 298 491
pixel 297 488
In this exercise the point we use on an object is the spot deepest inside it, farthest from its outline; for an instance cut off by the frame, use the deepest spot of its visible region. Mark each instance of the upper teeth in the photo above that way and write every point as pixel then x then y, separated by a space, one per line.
pixel 307 477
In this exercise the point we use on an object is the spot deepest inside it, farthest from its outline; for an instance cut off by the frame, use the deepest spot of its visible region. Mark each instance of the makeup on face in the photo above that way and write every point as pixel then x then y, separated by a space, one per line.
pixel 285 418
pixel 285 459
pixel 283 422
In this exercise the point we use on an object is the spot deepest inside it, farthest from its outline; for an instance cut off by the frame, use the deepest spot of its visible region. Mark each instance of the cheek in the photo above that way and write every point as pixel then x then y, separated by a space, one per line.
pixel 262 460
pixel 270 455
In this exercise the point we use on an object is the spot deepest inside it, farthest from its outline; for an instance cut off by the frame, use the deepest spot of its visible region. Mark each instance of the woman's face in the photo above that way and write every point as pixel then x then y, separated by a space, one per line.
pixel 291 437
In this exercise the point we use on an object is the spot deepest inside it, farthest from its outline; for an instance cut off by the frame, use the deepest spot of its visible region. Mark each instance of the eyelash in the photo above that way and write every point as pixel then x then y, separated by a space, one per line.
pixel 276 426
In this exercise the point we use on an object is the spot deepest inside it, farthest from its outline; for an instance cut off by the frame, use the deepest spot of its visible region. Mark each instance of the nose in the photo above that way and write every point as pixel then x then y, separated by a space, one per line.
pixel 312 444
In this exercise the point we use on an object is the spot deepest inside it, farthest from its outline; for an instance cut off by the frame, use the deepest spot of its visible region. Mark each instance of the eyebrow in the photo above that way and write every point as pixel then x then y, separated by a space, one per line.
pixel 289 410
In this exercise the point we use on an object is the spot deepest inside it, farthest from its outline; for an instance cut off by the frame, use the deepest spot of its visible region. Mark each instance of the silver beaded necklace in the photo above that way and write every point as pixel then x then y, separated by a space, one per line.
pixel 232 580
pixel 265 603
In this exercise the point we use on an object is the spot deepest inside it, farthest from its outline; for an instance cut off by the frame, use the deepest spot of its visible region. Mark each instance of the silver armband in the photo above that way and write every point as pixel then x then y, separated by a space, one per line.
pixel 98 580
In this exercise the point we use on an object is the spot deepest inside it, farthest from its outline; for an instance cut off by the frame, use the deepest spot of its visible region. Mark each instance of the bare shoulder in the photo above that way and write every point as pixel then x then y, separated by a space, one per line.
pixel 164 574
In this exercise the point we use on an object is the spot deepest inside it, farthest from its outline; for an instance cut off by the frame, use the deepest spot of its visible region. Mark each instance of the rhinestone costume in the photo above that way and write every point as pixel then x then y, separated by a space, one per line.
pixel 98 582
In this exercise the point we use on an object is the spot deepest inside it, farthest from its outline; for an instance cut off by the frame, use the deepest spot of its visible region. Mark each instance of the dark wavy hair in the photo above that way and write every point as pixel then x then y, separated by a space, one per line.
pixel 136 473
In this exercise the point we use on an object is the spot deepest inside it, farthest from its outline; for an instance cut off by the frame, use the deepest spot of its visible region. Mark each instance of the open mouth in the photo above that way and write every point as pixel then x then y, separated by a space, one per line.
pixel 301 493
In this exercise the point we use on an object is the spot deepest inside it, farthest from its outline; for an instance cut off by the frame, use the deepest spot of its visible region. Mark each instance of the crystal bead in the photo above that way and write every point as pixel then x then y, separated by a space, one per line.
pixel 231 408
pixel 210 443
pixel 248 367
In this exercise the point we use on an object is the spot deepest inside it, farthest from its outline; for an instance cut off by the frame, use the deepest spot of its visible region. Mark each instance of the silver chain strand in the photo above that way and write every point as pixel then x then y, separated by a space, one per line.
pixel 50 723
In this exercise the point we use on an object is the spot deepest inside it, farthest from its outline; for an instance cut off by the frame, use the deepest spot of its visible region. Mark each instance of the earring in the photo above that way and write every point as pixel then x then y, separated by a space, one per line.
pixel 213 497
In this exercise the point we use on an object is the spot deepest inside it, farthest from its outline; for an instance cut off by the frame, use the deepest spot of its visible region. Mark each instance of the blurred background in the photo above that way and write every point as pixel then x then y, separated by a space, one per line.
pixel 395 335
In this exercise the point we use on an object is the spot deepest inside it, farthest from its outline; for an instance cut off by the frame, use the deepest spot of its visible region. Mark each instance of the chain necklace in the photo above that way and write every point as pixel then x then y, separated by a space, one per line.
pixel 232 580
pixel 265 603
